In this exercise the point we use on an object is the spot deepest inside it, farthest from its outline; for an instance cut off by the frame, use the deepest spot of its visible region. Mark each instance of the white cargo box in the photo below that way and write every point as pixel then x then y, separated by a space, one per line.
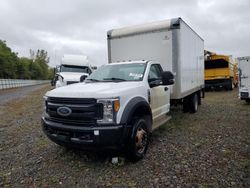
pixel 172 43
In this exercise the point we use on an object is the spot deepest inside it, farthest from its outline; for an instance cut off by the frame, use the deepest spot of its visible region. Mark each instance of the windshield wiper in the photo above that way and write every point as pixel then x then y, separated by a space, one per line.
pixel 94 80
pixel 114 79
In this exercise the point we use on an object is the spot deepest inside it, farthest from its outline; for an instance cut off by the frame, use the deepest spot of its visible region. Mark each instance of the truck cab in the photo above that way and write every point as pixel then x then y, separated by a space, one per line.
pixel 117 106
pixel 73 69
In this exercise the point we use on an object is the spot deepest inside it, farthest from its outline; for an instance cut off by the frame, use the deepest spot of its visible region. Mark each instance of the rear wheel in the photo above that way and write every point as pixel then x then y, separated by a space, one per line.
pixel 230 85
pixel 190 103
pixel 193 106
pixel 138 143
pixel 199 97
pixel 186 104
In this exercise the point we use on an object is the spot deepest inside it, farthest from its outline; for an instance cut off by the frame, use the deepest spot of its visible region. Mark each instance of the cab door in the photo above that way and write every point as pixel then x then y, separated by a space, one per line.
pixel 159 95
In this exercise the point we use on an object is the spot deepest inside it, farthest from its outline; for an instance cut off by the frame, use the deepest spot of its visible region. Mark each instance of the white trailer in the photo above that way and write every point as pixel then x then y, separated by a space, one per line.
pixel 172 42
pixel 244 78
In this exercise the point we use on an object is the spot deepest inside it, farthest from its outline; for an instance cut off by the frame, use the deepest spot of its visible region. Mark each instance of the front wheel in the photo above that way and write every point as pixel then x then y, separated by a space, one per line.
pixel 138 143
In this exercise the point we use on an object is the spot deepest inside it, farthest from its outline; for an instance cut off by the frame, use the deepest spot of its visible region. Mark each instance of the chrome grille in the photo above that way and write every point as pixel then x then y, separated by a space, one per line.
pixel 85 111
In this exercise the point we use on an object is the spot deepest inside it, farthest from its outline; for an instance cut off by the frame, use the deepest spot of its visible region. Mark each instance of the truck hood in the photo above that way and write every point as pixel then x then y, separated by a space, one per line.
pixel 72 76
pixel 95 90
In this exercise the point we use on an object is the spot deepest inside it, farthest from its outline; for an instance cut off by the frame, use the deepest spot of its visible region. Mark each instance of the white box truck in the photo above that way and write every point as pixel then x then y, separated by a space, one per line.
pixel 73 69
pixel 244 78
pixel 172 43
pixel 121 103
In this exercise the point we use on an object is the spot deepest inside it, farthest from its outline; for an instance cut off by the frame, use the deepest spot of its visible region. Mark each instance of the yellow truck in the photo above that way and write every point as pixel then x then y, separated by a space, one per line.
pixel 220 71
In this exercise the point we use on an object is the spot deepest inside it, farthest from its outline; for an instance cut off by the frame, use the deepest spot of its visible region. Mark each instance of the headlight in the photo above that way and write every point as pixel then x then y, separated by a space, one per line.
pixel 110 109
pixel 44 103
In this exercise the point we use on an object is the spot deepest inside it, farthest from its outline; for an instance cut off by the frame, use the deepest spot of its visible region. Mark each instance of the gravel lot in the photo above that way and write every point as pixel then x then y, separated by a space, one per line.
pixel 206 149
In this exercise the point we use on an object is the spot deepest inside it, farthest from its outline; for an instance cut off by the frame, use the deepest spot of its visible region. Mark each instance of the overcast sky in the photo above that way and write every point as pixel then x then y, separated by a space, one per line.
pixel 80 26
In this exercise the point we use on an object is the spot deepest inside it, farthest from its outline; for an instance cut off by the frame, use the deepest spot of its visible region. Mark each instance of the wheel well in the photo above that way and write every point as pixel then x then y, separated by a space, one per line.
pixel 143 111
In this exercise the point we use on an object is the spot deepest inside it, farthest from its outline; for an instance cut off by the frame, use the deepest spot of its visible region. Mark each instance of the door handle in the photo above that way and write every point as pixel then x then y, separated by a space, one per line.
pixel 165 88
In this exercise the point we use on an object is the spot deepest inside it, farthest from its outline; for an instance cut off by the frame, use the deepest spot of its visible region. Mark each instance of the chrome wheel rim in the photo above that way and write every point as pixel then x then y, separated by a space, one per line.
pixel 141 139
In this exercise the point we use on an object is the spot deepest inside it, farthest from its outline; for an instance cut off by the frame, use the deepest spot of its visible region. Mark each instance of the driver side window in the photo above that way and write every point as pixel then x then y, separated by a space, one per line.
pixel 155 72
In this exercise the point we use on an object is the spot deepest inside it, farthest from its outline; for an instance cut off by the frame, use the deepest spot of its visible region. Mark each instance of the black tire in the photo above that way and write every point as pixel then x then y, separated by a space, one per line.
pixel 139 140
pixel 199 97
pixel 186 104
pixel 230 85
pixel 193 103
pixel 208 88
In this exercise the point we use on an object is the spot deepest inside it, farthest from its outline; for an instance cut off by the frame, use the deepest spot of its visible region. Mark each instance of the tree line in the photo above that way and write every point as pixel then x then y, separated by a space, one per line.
pixel 13 67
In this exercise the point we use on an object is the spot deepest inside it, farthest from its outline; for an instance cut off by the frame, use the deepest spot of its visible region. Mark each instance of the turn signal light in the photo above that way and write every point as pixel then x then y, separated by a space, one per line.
pixel 117 105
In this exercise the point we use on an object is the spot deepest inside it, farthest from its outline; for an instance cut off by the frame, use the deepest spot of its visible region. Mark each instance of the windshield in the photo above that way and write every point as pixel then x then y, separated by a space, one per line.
pixel 71 68
pixel 119 72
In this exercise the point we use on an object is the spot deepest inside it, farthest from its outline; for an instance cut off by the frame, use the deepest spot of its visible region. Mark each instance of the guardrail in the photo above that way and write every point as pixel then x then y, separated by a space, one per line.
pixel 12 83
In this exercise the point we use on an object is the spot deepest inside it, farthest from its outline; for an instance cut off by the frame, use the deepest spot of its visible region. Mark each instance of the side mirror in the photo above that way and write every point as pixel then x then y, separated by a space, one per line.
pixel 167 78
pixel 154 82
pixel 58 75
pixel 83 77
pixel 57 69
pixel 89 71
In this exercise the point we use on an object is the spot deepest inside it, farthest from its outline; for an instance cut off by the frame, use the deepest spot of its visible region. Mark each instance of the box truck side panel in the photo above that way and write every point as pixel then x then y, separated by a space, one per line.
pixel 155 46
pixel 244 67
pixel 191 62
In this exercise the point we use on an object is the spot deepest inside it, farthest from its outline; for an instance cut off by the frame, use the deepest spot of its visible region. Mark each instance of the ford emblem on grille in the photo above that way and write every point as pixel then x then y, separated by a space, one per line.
pixel 64 111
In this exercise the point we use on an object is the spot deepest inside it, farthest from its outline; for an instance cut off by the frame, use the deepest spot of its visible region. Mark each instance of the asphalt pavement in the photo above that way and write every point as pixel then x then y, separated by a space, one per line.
pixel 9 95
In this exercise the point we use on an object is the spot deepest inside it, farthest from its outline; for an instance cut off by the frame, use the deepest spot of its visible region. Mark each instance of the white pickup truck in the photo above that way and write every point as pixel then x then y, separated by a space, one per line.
pixel 73 69
pixel 121 103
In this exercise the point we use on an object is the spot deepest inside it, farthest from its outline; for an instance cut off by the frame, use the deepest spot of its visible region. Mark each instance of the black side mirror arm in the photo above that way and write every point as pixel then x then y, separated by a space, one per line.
pixel 59 76
pixel 155 83
pixel 83 77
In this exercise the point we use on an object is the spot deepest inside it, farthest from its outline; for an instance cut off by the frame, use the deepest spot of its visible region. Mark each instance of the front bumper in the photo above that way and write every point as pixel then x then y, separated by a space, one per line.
pixel 244 95
pixel 95 137
pixel 217 83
